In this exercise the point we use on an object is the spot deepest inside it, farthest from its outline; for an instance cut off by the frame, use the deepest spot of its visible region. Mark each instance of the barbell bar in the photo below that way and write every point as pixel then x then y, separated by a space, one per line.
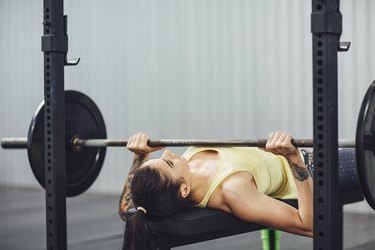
pixel 87 141
pixel 77 143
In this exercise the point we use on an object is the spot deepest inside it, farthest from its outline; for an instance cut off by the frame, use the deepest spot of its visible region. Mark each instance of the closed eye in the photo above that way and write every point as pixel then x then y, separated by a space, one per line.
pixel 169 163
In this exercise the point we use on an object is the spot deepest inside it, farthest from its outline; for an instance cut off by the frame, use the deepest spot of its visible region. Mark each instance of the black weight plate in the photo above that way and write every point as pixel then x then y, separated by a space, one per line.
pixel 365 145
pixel 82 119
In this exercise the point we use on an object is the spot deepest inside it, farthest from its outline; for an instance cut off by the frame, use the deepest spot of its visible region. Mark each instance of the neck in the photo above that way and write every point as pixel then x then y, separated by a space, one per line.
pixel 198 182
pixel 202 173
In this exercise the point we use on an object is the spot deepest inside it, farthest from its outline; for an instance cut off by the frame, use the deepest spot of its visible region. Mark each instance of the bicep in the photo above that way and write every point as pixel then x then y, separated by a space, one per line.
pixel 251 205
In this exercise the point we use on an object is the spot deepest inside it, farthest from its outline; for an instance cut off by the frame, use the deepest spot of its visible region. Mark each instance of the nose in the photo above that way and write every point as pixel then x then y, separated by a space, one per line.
pixel 167 153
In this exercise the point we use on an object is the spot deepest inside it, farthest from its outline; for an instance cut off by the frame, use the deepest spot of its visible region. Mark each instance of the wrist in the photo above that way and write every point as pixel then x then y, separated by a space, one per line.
pixel 296 159
pixel 141 157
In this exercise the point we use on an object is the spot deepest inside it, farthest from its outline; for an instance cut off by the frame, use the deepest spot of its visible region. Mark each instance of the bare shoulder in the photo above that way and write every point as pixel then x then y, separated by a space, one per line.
pixel 230 190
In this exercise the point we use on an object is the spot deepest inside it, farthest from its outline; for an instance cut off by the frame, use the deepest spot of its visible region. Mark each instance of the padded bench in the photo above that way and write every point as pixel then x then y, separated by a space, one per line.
pixel 196 224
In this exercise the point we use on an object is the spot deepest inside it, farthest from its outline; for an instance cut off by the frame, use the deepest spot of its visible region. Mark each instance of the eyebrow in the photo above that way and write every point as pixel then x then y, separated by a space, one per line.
pixel 169 163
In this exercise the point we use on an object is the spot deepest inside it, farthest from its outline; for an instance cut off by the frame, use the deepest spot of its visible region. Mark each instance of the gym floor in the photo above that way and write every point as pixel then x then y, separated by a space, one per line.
pixel 93 224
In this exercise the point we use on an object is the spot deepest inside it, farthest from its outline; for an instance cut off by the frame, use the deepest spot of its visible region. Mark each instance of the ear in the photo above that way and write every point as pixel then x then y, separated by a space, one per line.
pixel 184 190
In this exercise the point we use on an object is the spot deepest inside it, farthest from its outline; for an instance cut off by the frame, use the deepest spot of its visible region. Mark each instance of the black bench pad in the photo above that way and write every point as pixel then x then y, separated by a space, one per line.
pixel 195 221
pixel 196 224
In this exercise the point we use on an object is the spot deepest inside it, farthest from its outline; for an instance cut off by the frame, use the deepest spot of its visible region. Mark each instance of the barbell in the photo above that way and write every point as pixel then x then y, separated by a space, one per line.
pixel 86 143
pixel 77 143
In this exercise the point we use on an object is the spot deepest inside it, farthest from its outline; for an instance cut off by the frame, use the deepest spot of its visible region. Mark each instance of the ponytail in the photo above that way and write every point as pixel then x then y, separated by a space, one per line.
pixel 138 234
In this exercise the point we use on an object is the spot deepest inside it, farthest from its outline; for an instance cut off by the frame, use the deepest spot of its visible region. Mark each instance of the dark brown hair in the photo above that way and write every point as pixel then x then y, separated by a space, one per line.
pixel 159 194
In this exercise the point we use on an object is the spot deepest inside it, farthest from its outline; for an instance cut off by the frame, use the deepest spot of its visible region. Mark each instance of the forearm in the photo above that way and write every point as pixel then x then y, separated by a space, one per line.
pixel 304 185
pixel 126 201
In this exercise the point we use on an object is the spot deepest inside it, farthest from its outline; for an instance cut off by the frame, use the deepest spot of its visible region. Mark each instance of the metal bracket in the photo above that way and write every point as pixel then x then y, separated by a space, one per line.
pixel 71 61
pixel 53 43
pixel 326 22
pixel 343 46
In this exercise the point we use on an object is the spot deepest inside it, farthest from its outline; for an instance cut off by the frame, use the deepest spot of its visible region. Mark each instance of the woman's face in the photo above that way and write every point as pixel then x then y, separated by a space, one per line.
pixel 176 165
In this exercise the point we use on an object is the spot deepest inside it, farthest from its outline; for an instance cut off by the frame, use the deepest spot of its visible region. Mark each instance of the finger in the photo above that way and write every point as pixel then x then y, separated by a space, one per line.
pixel 288 145
pixel 129 145
pixel 272 141
pixel 281 139
pixel 137 140
pixel 143 141
pixel 269 140
pixel 287 142
pixel 276 136
pixel 144 138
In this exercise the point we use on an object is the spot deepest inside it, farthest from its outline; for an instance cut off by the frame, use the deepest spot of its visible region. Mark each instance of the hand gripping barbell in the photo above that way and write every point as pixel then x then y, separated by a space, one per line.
pixel 86 143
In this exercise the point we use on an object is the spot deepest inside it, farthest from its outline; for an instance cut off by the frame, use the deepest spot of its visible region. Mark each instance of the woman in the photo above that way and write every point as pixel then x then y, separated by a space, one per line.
pixel 240 181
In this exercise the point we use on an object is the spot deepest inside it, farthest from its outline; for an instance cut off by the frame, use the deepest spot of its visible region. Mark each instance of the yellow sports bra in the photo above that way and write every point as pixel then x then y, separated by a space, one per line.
pixel 271 172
